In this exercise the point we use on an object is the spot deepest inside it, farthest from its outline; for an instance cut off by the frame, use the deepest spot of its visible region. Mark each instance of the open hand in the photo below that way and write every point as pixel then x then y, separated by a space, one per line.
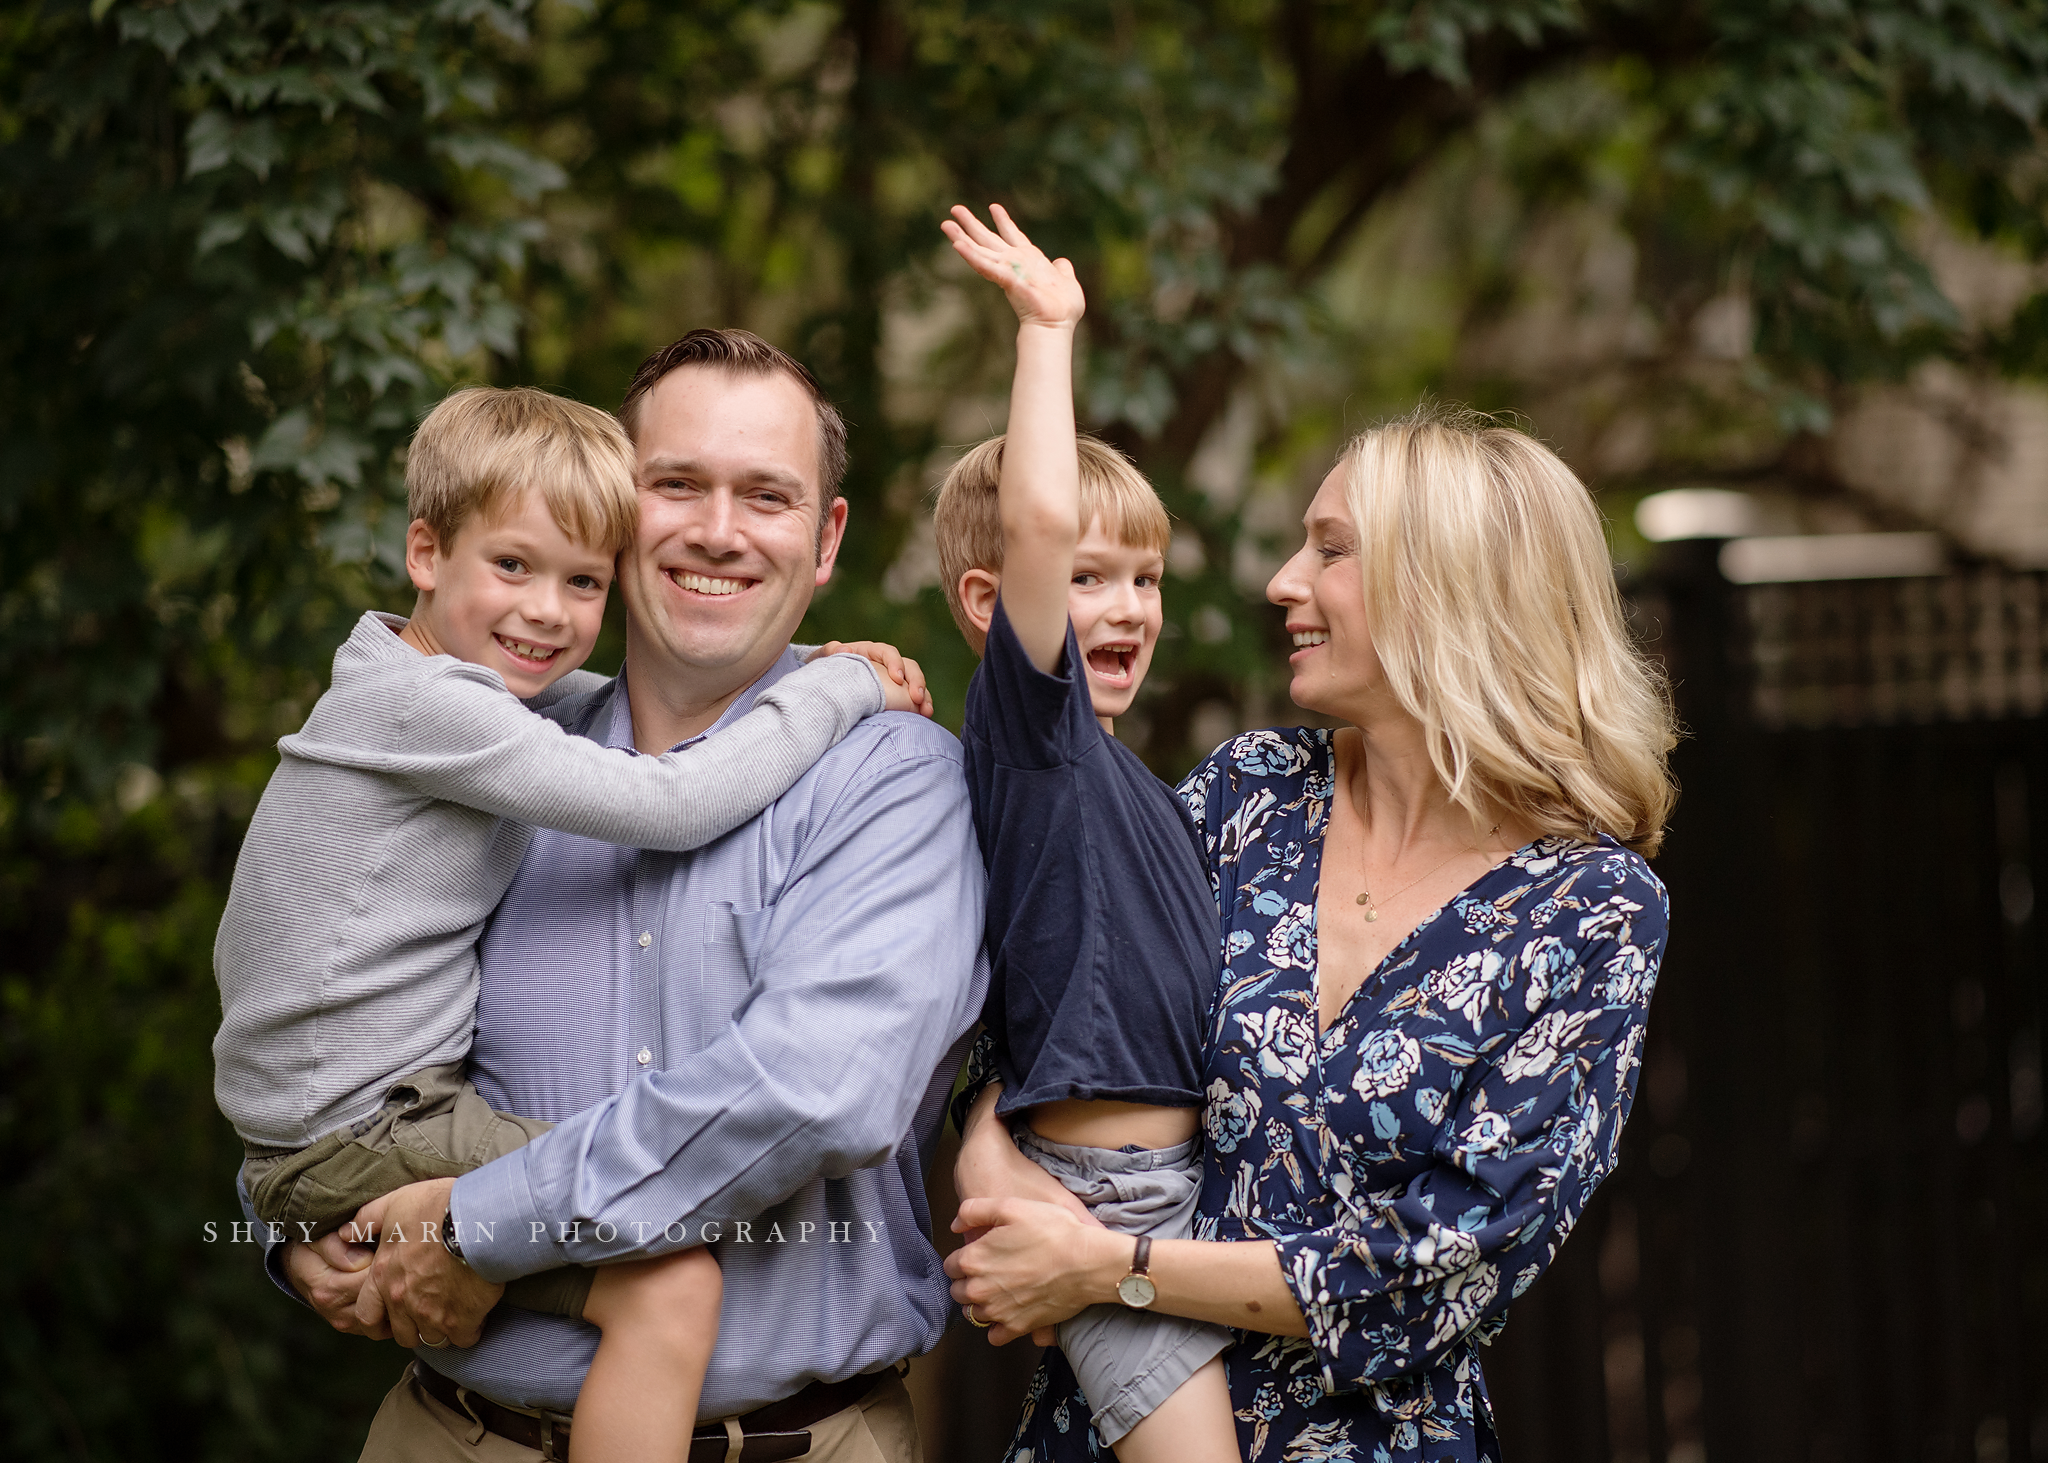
pixel 1042 291
pixel 903 687
pixel 428 1296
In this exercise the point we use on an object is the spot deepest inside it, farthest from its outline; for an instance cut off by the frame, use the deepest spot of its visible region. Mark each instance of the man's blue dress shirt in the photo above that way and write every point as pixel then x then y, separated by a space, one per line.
pixel 763 1030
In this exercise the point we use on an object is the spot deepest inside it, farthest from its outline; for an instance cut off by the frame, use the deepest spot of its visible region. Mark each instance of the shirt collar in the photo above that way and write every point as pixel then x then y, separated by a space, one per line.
pixel 619 733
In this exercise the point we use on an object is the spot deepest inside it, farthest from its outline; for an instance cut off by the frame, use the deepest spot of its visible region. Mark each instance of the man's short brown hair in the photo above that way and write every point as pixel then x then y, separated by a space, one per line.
pixel 485 446
pixel 968 519
pixel 743 353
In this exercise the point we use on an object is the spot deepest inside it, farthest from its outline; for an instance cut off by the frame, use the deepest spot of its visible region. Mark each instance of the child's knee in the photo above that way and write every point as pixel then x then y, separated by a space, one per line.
pixel 688 1278
pixel 684 1288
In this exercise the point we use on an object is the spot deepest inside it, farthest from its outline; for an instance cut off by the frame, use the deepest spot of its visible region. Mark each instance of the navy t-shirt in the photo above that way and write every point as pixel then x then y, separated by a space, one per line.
pixel 1104 945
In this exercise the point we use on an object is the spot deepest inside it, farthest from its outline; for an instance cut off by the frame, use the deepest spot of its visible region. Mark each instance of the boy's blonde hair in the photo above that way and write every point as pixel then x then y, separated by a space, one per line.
pixel 1492 605
pixel 969 522
pixel 484 446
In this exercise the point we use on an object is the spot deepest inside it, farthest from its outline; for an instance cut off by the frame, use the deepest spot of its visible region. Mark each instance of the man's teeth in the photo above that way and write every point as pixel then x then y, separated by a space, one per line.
pixel 1304 638
pixel 705 584
pixel 530 652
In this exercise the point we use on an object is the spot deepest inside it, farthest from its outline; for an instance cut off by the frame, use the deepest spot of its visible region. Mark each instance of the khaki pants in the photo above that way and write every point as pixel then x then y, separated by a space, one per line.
pixel 412 1427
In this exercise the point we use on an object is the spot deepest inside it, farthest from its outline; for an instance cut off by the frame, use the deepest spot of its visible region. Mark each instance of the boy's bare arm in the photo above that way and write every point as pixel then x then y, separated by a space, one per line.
pixel 1040 491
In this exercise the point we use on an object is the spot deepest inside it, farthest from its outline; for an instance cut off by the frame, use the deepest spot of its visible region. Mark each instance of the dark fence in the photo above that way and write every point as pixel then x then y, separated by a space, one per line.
pixel 1826 1237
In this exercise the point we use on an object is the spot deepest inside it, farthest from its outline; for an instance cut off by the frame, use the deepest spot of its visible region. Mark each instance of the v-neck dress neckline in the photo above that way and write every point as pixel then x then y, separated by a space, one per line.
pixel 1314 844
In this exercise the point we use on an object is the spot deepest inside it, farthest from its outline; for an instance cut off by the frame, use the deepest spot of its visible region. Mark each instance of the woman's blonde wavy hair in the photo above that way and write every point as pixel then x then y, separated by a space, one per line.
pixel 1493 608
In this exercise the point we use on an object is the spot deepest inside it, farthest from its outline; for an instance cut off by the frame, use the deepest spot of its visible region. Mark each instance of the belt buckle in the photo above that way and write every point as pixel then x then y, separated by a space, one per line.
pixel 550 1423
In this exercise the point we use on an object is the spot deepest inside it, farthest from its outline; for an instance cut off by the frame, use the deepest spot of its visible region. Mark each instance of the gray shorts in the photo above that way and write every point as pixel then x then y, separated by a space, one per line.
pixel 1129 1361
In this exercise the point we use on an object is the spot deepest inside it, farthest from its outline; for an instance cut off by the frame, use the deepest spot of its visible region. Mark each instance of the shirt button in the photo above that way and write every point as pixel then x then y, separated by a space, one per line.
pixel 644 1057
pixel 646 939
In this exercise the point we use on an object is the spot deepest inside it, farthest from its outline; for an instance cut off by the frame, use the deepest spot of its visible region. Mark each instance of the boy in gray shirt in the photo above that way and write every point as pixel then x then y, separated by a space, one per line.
pixel 396 820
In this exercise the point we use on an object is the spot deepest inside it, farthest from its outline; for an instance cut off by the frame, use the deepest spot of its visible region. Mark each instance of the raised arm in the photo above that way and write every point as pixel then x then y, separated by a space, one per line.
pixel 1040 490
pixel 468 742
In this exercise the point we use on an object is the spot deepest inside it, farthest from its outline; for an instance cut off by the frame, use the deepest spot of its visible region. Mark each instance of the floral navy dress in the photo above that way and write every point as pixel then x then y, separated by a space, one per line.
pixel 1418 1163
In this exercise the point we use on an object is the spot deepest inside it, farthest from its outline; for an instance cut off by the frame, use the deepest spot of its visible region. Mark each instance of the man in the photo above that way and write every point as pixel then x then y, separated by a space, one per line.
pixel 758 1036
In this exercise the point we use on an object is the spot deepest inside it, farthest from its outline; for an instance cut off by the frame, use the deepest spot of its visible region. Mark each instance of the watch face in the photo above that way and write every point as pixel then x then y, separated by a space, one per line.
pixel 1136 1291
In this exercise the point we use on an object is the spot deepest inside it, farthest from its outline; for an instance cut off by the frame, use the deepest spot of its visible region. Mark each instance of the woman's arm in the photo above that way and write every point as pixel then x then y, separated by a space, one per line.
pixel 1035 1266
pixel 1412 1271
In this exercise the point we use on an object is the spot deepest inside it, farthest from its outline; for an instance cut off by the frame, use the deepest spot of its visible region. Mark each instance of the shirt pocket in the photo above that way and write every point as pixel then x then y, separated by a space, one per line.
pixel 734 938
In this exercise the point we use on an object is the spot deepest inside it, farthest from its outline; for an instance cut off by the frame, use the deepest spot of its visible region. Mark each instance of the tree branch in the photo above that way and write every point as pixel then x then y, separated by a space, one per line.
pixel 1360 126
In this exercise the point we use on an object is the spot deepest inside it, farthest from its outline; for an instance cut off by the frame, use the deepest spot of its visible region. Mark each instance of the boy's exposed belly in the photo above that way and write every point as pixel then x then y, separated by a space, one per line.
pixel 1109 1124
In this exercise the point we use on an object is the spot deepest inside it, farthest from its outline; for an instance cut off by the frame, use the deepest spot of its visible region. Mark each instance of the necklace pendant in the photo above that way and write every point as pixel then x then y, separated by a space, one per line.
pixel 1371 915
pixel 1363 899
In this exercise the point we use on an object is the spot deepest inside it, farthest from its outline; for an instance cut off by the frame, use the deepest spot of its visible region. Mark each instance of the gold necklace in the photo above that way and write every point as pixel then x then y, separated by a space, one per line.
pixel 1372 910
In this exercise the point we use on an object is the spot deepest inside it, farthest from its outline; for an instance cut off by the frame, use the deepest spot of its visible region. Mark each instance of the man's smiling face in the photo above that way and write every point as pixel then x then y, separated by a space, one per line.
pixel 729 549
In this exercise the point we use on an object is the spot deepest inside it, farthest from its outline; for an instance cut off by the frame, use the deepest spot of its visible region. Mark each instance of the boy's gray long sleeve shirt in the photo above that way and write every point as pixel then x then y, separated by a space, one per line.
pixel 394 824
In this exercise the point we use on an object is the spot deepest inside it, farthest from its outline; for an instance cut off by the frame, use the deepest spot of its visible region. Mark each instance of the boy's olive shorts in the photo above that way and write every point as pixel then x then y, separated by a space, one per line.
pixel 433 1125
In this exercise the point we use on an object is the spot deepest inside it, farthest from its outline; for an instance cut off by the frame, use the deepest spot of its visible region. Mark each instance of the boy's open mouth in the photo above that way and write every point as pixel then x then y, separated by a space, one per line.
pixel 526 652
pixel 1111 664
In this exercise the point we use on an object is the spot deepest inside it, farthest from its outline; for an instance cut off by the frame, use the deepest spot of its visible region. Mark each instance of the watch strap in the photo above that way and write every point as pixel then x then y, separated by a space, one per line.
pixel 1141 1257
pixel 448 1240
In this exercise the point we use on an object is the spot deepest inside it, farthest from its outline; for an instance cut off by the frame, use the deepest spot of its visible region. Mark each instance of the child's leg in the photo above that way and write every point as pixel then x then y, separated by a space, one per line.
pixel 1194 1425
pixel 1154 1382
pixel 433 1125
pixel 660 1321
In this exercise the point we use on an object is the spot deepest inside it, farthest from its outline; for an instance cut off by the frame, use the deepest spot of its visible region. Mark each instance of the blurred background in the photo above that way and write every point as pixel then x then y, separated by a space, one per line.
pixel 1768 273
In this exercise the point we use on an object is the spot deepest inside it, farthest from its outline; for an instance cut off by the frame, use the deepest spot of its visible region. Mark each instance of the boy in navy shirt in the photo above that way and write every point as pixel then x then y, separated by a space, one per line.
pixel 1102 933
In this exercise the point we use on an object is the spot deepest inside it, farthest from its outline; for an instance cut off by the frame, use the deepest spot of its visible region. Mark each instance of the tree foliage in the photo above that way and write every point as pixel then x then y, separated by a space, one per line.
pixel 246 244
pixel 250 241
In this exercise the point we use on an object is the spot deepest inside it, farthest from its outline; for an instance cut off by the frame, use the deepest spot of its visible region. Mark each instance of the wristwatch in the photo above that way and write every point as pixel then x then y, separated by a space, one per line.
pixel 448 1240
pixel 1136 1289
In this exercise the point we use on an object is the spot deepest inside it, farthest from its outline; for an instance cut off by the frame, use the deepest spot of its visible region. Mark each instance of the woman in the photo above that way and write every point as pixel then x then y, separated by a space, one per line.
pixel 1440 939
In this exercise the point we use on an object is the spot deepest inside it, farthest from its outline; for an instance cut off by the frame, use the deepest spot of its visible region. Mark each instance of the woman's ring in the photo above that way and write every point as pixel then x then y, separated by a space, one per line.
pixel 968 1311
pixel 436 1345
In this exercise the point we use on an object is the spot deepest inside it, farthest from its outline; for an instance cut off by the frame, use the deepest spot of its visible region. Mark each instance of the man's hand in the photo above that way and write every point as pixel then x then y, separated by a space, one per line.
pixel 428 1297
pixel 330 1274
pixel 902 679
pixel 1042 291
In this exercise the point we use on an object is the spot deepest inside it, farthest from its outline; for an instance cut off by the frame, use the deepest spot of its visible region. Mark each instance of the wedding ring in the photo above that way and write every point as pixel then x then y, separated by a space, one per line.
pixel 974 1320
pixel 435 1345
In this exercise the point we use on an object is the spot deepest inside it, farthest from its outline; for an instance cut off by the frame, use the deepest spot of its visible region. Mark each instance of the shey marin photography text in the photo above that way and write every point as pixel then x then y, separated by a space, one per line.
pixel 710 1231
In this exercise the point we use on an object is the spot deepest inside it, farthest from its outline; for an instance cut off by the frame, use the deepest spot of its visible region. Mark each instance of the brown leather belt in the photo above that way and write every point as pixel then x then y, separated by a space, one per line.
pixel 770 1434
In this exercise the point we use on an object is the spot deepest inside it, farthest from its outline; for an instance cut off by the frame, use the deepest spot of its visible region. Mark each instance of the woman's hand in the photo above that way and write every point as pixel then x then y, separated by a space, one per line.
pixel 1042 291
pixel 990 1167
pixel 903 687
pixel 1034 1266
